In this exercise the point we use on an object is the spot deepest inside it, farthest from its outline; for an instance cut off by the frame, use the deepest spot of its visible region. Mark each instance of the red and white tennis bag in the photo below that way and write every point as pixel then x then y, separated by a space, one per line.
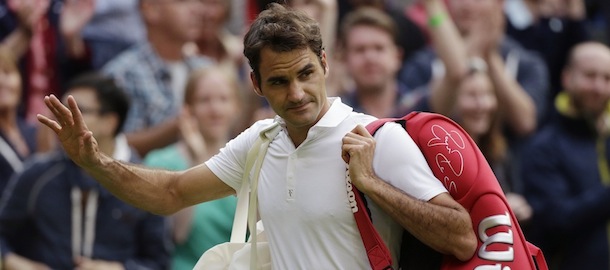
pixel 458 163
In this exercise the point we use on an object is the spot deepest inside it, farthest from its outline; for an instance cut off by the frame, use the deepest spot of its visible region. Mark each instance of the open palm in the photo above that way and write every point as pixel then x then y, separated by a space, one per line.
pixel 76 139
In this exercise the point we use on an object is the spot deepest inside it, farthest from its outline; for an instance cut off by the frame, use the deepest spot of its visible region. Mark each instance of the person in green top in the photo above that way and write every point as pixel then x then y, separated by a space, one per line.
pixel 210 113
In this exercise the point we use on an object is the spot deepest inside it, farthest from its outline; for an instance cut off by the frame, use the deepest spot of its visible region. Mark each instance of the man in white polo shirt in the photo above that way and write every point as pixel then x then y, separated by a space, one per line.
pixel 302 191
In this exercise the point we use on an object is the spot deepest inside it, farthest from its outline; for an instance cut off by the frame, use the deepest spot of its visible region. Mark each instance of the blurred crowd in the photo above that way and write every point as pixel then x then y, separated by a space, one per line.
pixel 164 83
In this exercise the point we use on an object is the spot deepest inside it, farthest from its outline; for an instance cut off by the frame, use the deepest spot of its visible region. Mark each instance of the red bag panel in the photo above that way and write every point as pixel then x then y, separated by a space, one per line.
pixel 458 163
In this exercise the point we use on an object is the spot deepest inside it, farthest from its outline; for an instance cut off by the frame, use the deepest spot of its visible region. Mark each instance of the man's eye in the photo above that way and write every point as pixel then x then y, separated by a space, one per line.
pixel 306 74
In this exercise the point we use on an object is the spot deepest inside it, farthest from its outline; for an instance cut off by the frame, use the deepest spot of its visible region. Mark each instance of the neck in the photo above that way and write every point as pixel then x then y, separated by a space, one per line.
pixel 168 49
pixel 379 102
pixel 297 135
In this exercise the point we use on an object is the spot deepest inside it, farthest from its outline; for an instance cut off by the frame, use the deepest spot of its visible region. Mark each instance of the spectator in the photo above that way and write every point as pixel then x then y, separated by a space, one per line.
pixel 475 106
pixel 211 110
pixel 410 38
pixel 115 26
pixel 17 137
pixel 372 58
pixel 519 77
pixel 565 168
pixel 45 36
pixel 550 28
pixel 225 48
pixel 154 72
pixel 53 215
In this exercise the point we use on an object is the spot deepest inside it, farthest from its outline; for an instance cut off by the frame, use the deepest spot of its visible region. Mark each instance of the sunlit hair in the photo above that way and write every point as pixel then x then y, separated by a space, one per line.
pixel 281 30
pixel 368 16
pixel 195 77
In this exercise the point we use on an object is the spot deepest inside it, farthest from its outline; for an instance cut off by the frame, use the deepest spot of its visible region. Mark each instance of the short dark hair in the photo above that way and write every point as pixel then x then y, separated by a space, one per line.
pixel 368 16
pixel 282 30
pixel 111 97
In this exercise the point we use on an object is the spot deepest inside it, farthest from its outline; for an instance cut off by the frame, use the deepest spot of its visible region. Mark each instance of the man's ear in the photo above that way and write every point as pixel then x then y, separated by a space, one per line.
pixel 255 84
pixel 324 63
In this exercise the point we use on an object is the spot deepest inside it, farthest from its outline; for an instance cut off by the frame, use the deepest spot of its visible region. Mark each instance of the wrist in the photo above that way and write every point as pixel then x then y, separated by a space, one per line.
pixel 435 20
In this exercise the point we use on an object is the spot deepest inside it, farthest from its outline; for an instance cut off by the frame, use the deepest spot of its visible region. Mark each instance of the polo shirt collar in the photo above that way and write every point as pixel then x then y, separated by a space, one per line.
pixel 337 112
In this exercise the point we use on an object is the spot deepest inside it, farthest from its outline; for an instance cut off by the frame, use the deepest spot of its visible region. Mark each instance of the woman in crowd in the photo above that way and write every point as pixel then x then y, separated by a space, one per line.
pixel 211 111
pixel 18 138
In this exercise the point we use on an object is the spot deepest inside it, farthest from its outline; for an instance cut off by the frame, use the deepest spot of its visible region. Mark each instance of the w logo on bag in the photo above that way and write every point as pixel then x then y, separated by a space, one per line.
pixel 351 196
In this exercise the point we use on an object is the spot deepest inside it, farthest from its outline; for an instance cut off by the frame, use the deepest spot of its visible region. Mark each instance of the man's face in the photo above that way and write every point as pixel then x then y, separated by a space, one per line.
pixel 215 13
pixel 179 19
pixel 10 89
pixel 90 108
pixel 587 81
pixel 215 105
pixel 294 85
pixel 476 104
pixel 371 56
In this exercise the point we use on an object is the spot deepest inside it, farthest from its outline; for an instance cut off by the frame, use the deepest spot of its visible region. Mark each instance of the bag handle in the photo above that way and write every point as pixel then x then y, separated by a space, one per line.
pixel 246 210
pixel 238 231
pixel 378 253
pixel 11 156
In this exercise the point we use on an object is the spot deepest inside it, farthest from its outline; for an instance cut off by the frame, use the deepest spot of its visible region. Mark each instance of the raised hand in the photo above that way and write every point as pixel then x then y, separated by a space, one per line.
pixel 487 33
pixel 194 141
pixel 76 139
pixel 75 14
pixel 28 12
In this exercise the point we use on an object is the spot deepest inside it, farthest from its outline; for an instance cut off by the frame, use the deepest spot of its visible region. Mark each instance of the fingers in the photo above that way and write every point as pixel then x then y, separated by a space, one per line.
pixel 49 123
pixel 77 117
pixel 62 114
pixel 361 130
pixel 345 156
pixel 355 141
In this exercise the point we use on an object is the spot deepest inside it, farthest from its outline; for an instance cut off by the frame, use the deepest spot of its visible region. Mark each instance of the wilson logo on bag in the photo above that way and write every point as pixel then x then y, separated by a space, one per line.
pixel 458 163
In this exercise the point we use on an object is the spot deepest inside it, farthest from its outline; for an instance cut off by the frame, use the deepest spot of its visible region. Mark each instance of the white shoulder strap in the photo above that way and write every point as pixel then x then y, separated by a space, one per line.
pixel 245 206
pixel 11 156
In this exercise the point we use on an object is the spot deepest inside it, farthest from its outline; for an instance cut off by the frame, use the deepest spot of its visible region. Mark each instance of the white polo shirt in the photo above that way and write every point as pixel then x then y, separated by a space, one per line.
pixel 302 195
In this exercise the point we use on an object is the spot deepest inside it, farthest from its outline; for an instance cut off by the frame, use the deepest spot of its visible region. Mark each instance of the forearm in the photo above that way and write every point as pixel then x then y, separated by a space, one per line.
pixel 328 25
pixel 18 42
pixel 451 50
pixel 13 261
pixel 517 107
pixel 146 188
pixel 75 46
pixel 447 41
pixel 445 229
